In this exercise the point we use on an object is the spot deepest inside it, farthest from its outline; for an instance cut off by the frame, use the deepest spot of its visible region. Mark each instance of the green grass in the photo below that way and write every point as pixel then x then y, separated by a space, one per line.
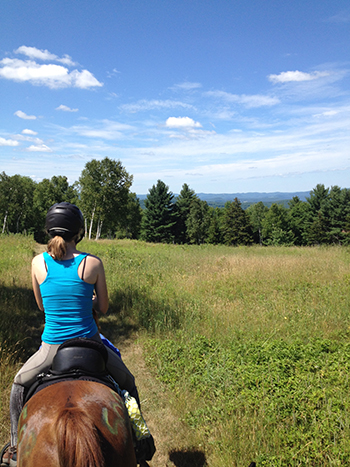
pixel 253 342
pixel 18 318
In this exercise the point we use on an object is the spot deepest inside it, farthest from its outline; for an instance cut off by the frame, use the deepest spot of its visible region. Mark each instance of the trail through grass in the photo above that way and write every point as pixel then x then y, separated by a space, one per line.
pixel 253 343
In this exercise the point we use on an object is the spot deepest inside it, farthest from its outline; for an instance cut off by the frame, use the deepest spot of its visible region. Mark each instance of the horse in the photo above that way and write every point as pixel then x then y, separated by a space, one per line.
pixel 75 423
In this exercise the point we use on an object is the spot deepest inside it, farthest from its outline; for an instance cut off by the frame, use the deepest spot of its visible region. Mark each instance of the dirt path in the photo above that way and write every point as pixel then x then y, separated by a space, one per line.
pixel 172 437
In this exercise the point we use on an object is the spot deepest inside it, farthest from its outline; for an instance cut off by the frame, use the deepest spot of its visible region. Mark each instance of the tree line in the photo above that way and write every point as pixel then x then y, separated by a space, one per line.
pixel 103 193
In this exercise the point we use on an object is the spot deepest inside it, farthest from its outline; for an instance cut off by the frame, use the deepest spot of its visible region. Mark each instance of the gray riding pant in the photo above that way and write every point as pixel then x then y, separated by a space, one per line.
pixel 41 361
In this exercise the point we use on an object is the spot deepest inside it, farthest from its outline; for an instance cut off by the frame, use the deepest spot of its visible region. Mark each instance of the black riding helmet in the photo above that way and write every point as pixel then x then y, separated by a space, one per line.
pixel 66 221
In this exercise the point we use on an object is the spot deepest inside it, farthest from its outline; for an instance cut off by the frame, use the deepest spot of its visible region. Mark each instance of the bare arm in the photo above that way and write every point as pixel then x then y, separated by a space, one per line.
pixel 95 274
pixel 36 281
pixel 100 300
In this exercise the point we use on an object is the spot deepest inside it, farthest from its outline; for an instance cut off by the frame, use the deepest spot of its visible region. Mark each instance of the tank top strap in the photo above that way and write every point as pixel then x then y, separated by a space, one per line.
pixel 76 260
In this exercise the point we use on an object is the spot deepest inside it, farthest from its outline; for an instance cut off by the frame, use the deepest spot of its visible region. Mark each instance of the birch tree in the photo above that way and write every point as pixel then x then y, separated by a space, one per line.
pixel 16 203
pixel 104 189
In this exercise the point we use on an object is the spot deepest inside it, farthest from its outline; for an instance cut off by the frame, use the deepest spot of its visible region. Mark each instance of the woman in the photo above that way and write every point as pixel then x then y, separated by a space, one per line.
pixel 67 285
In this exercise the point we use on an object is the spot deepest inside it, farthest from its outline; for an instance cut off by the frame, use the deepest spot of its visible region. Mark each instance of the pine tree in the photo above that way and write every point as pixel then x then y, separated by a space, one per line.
pixel 256 213
pixel 198 222
pixel 215 226
pixel 159 216
pixel 276 228
pixel 182 206
pixel 236 225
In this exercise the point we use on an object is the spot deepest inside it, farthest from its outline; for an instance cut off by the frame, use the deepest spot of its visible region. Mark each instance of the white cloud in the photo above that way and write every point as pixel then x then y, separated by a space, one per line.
pixel 112 73
pixel 292 76
pixel 186 86
pixel 31 137
pixel 8 142
pixel 249 101
pixel 145 104
pixel 109 130
pixel 65 108
pixel 327 113
pixel 50 75
pixel 39 148
pixel 29 132
pixel 182 122
pixel 342 17
pixel 45 55
pixel 23 115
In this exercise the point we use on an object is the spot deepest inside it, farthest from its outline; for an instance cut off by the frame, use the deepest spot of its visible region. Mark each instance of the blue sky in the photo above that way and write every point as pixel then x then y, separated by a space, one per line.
pixel 225 95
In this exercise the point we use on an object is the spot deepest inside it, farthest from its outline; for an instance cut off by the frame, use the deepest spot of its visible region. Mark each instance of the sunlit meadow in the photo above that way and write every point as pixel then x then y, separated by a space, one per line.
pixel 252 341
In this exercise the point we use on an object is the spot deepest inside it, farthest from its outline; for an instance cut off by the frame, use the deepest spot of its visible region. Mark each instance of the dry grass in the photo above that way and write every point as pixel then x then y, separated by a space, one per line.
pixel 225 294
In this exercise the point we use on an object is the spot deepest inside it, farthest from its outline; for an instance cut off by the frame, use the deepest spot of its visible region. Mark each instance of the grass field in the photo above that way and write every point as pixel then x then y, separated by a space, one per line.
pixel 253 342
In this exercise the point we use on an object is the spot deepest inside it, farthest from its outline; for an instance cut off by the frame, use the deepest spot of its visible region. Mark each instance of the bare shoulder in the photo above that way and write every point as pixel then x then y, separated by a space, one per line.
pixel 93 269
pixel 93 261
pixel 38 260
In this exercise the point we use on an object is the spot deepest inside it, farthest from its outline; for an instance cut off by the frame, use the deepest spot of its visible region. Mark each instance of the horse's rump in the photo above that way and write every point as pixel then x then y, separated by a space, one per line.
pixel 75 423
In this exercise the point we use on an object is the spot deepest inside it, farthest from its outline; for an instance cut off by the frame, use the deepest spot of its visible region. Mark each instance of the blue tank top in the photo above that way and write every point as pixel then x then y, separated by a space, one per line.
pixel 67 301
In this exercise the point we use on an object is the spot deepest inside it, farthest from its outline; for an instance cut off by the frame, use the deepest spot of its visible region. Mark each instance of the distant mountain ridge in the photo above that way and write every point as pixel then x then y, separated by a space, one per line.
pixel 246 199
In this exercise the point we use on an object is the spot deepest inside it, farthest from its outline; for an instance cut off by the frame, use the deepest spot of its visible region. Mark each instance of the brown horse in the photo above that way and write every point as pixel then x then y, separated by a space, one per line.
pixel 75 424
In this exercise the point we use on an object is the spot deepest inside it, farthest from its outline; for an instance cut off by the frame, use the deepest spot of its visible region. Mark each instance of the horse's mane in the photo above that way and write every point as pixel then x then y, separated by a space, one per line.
pixel 78 442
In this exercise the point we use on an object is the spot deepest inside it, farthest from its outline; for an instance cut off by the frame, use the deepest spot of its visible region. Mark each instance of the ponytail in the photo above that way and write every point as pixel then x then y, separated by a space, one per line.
pixel 57 247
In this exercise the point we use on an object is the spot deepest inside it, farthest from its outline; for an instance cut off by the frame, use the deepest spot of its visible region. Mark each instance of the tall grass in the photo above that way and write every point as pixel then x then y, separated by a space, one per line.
pixel 253 342
pixel 19 321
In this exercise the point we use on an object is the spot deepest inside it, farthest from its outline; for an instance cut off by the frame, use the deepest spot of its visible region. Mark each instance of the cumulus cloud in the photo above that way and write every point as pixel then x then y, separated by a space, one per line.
pixel 182 122
pixel 44 55
pixel 23 115
pixel 65 108
pixel 249 101
pixel 50 75
pixel 39 148
pixel 8 142
pixel 290 76
pixel 29 132
pixel 145 104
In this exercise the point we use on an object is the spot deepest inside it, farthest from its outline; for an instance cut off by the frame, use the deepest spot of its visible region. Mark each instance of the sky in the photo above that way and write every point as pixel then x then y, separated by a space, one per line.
pixel 227 96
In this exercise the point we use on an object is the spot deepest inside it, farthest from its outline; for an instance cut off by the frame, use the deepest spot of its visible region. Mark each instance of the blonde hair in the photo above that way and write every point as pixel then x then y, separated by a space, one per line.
pixel 57 247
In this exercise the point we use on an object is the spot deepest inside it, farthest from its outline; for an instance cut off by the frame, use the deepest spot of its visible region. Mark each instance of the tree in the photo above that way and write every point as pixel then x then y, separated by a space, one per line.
pixel 215 226
pixel 318 198
pixel 198 222
pixel 130 224
pixel 317 232
pixel 16 203
pixel 236 225
pixel 337 210
pixel 317 225
pixel 276 229
pixel 256 213
pixel 104 190
pixel 298 215
pixel 158 219
pixel 182 206
pixel 47 193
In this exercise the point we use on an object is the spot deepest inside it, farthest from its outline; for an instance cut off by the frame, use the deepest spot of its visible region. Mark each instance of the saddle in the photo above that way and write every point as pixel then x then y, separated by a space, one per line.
pixel 85 359
pixel 78 358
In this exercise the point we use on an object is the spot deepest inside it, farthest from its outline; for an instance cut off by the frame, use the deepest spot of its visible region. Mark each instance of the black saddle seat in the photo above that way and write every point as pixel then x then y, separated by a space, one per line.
pixel 80 354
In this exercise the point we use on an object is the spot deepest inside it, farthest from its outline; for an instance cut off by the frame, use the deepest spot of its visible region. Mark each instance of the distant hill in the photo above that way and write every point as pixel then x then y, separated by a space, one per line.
pixel 219 199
